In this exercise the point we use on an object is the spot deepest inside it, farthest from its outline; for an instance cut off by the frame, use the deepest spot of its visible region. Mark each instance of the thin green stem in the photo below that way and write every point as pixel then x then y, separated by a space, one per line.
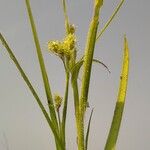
pixel 110 20
pixel 66 16
pixel 60 131
pixel 12 56
pixel 76 96
pixel 65 109
pixel 87 65
pixel 42 66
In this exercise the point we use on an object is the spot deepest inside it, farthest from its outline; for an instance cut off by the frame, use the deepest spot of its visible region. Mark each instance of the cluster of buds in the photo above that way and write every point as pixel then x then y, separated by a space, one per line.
pixel 65 48
pixel 58 101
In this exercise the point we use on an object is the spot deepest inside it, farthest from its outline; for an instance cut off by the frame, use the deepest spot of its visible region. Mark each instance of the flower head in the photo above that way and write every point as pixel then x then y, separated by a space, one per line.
pixel 63 48
pixel 58 101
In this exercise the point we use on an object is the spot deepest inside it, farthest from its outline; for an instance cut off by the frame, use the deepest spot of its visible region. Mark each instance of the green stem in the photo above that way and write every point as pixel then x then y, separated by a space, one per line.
pixel 89 51
pixel 59 121
pixel 66 16
pixel 60 132
pixel 42 66
pixel 65 109
pixel 76 103
pixel 76 97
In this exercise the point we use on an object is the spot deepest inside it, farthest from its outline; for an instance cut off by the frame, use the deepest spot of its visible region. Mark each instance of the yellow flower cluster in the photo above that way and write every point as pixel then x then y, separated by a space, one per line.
pixel 64 48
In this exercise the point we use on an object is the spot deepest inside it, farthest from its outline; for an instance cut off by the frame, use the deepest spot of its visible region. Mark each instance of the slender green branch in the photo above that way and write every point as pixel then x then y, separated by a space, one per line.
pixel 89 51
pixel 110 20
pixel 116 122
pixel 42 66
pixel 12 56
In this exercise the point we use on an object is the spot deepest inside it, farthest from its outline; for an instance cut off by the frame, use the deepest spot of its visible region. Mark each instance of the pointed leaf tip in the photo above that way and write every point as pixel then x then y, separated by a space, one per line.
pixel 116 122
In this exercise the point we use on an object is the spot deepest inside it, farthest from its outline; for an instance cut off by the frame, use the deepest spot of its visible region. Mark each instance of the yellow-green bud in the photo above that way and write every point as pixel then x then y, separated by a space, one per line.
pixel 71 29
pixel 58 101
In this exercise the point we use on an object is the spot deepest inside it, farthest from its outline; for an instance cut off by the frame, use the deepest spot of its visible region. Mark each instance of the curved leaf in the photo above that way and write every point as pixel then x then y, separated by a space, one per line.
pixel 100 62
pixel 75 70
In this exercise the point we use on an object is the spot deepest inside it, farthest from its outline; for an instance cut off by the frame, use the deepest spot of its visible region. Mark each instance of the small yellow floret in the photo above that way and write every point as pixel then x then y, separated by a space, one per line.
pixel 69 42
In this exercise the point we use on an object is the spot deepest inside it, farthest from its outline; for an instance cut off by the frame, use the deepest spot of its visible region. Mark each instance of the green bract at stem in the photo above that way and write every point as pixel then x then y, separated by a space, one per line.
pixel 89 51
pixel 27 81
pixel 42 66
pixel 116 122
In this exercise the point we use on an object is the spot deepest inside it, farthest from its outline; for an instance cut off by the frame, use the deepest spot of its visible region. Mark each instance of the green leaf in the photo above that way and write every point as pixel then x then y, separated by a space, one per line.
pixel 88 58
pixel 27 81
pixel 75 70
pixel 110 20
pixel 88 130
pixel 42 66
pixel 116 122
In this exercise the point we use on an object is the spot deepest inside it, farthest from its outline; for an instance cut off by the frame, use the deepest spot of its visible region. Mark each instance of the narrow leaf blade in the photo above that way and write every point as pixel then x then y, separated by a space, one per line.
pixel 115 126
pixel 42 66
pixel 88 130
pixel 110 20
